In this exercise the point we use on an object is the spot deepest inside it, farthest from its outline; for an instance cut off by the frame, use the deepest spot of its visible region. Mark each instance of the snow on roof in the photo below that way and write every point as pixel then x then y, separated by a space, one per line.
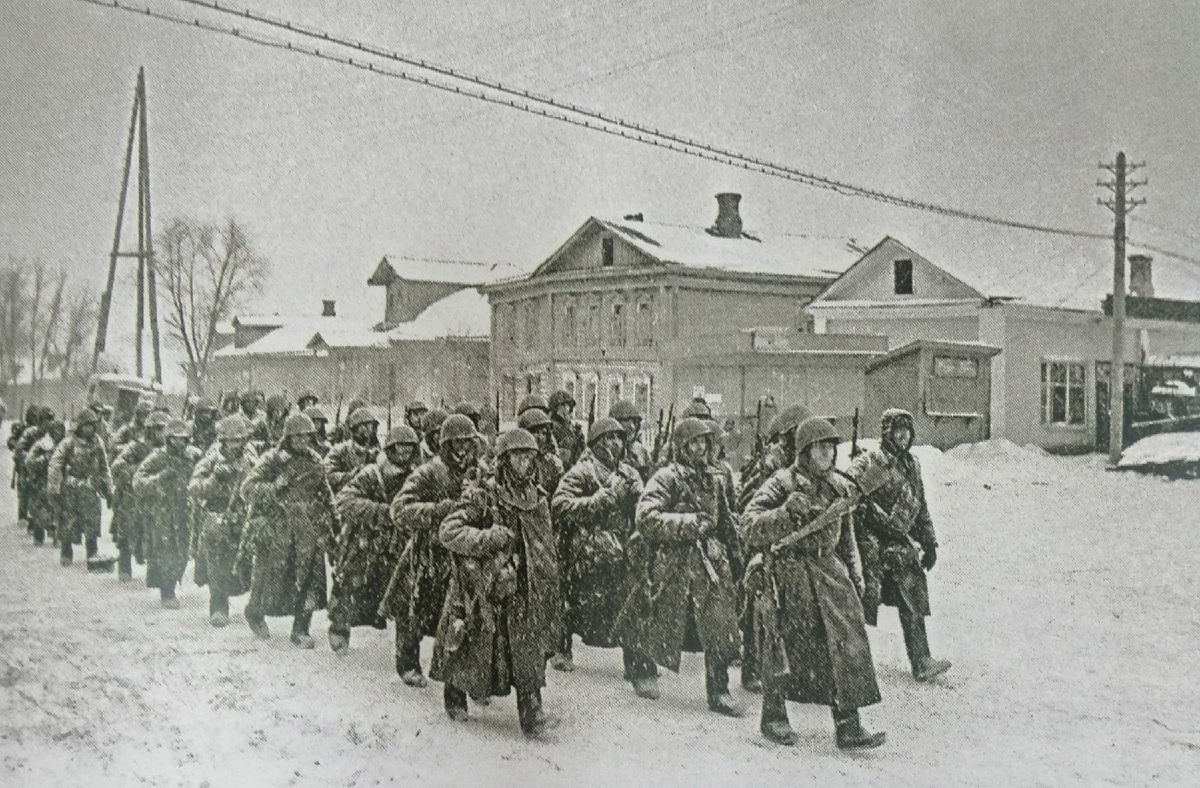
pixel 462 314
pixel 445 271
pixel 295 336
pixel 787 255
pixel 260 321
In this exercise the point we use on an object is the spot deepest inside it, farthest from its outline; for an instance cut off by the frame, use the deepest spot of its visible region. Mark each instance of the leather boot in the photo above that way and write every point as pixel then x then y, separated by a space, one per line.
pixel 850 733
pixel 774 724
pixel 534 721
pixel 124 563
pixel 92 547
pixel 916 643
pixel 258 624
pixel 167 598
pixel 66 555
pixel 455 702
pixel 339 641
pixel 300 636
pixel 716 681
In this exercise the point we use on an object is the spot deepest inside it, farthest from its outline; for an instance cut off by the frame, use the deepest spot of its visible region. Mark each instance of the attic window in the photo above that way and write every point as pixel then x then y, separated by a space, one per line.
pixel 606 252
pixel 902 277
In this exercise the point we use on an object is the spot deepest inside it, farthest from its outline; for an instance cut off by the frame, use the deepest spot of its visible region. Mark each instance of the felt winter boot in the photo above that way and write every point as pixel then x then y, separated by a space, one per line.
pixel 850 733
pixel 455 702
pixel 534 721
pixel 916 643
pixel 774 724
pixel 716 683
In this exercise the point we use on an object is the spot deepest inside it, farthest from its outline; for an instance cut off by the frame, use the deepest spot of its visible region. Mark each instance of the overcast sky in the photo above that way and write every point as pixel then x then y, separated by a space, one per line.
pixel 1000 107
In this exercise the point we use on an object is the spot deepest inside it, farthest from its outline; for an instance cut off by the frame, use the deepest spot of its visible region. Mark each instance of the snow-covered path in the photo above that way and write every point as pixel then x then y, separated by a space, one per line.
pixel 1066 597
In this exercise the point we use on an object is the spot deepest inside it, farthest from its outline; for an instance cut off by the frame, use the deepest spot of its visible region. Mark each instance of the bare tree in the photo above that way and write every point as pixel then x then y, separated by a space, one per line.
pixel 206 273
pixel 13 309
pixel 35 298
pixel 81 317
pixel 51 325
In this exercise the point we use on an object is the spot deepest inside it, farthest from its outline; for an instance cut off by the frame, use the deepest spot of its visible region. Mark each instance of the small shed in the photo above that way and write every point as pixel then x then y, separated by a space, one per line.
pixel 947 386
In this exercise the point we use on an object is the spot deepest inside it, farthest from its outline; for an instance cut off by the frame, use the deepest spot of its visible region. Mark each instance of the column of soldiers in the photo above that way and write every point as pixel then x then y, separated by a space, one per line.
pixel 505 549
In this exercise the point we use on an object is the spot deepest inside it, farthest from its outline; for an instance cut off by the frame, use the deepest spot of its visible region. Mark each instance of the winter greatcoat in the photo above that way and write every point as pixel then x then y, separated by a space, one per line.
pixel 128 521
pixel 368 548
pixel 344 460
pixel 503 588
pixel 893 523
pixel 809 626
pixel 34 472
pixel 292 523
pixel 673 577
pixel 218 517
pixel 160 485
pixel 568 436
pixel 596 502
pixel 417 590
pixel 76 480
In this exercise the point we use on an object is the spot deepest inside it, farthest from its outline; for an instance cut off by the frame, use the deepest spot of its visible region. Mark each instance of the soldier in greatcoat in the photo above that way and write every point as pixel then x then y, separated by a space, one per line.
pixel 128 526
pixel 567 434
pixel 897 540
pixel 359 448
pixel 431 429
pixel 37 419
pixel 684 597
pixel 636 453
pixel 546 465
pixel 417 589
pixel 414 415
pixel 76 481
pixel 368 548
pixel 808 618
pixel 132 430
pixel 277 412
pixel 502 609
pixel 321 437
pixel 36 468
pixel 596 502
pixel 204 424
pixel 292 524
pixel 160 484
pixel 219 514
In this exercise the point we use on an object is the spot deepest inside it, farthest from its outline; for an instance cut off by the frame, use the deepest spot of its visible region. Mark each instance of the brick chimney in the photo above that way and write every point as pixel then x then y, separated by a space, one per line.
pixel 1141 283
pixel 328 308
pixel 729 221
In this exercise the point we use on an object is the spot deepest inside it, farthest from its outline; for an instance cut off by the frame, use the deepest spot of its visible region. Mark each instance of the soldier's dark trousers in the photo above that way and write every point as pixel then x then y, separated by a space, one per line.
pixel 774 709
pixel 408 651
pixel 916 642
pixel 749 653
pixel 453 698
pixel 66 551
pixel 637 666
pixel 301 622
pixel 124 559
pixel 528 706
pixel 716 677
pixel 217 602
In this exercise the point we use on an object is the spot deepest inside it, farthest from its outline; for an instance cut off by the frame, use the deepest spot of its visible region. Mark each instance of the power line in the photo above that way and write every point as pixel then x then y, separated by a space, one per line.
pixel 640 133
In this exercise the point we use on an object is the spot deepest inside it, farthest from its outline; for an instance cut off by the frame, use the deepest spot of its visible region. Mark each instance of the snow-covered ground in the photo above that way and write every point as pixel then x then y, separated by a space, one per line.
pixel 1165 449
pixel 1066 597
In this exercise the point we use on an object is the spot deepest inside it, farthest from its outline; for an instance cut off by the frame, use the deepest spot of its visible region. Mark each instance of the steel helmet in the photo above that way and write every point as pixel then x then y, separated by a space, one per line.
pixel 144 407
pixel 559 398
pixel 602 427
pixel 533 418
pixel 87 416
pixel 157 419
pixel 534 400
pixel 233 428
pixel 316 414
pixel 690 428
pixel 308 394
pixel 249 397
pixel 432 420
pixel 515 440
pixel 624 409
pixel 178 428
pixel 401 434
pixel 205 403
pixel 363 415
pixel 416 406
pixel 698 409
pixel 788 419
pixel 455 426
pixel 467 409
pixel 815 429
pixel 894 416
pixel 298 424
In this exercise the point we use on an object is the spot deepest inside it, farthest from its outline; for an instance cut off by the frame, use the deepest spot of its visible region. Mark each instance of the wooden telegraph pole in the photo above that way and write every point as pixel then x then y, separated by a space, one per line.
pixel 1120 205
pixel 147 289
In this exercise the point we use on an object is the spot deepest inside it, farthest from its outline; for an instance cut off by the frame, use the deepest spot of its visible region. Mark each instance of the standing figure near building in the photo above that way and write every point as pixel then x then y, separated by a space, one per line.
pixel 219 515
pixel 684 597
pixel 204 424
pixel 76 481
pixel 897 540
pixel 37 420
pixel 368 548
pixel 128 526
pixel 36 469
pixel 359 448
pixel 417 590
pixel 321 436
pixel 160 485
pixel 808 618
pixel 567 434
pixel 596 502
pixel 292 524
pixel 636 453
pixel 502 609
pixel 431 428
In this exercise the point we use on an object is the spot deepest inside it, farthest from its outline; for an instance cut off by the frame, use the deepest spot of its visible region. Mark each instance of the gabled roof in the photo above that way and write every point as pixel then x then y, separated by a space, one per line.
pixel 294 335
pixel 464 314
pixel 694 247
pixel 458 272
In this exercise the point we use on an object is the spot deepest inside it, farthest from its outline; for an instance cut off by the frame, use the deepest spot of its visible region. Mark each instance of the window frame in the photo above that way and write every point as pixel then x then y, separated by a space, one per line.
pixel 1047 385
pixel 898 278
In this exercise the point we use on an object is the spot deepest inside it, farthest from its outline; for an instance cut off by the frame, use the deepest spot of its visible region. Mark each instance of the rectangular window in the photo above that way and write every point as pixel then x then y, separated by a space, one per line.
pixel 614 392
pixel 617 325
pixel 568 384
pixel 606 252
pixel 902 277
pixel 570 330
pixel 510 323
pixel 641 396
pixel 593 324
pixel 645 323
pixel 955 367
pixel 530 333
pixel 1063 399
pixel 589 396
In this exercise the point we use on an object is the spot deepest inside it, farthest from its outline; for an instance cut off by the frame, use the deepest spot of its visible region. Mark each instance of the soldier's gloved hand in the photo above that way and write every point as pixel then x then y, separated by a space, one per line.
pixel 928 556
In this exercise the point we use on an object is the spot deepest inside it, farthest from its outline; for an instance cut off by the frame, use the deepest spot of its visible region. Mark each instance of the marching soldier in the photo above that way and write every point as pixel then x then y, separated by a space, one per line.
pixel 897 540
pixel 128 521
pixel 37 419
pixel 417 589
pixel 812 637
pixel 431 428
pixel 567 434
pixel 546 464
pixel 636 453
pixel 36 468
pixel 595 503
pixel 291 525
pixel 321 437
pixel 103 414
pixel 688 598
pixel 76 480
pixel 204 424
pixel 219 514
pixel 132 430
pixel 368 550
pixel 414 415
pixel 361 447
pixel 502 608
pixel 160 484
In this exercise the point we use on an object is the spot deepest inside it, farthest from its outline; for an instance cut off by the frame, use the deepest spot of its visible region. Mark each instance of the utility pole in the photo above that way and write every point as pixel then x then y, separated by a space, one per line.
pixel 1120 205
